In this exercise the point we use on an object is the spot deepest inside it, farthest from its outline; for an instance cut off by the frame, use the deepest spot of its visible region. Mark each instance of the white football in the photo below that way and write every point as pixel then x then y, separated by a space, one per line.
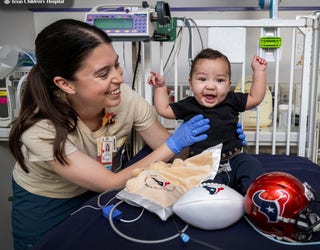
pixel 210 206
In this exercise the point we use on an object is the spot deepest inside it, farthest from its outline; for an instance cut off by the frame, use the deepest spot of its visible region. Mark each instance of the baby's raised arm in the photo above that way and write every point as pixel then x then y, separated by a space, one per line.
pixel 161 99
pixel 258 88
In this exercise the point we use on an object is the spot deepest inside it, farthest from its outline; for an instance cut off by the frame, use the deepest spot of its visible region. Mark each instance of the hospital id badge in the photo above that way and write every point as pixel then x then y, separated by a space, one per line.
pixel 106 147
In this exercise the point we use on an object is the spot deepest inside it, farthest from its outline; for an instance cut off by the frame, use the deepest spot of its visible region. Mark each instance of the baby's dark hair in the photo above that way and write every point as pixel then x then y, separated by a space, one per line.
pixel 209 54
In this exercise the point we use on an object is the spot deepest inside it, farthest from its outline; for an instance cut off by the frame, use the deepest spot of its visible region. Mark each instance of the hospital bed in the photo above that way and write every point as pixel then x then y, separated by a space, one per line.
pixel 89 229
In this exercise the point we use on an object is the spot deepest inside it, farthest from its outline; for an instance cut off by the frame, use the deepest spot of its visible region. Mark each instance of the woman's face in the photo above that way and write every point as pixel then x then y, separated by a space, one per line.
pixel 99 78
pixel 210 82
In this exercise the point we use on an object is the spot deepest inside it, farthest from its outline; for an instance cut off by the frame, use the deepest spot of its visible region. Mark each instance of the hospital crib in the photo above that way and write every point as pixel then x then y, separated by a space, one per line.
pixel 292 75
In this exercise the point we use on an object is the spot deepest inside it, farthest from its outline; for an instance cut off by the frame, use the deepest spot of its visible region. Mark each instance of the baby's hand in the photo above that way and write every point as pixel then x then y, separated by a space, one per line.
pixel 259 63
pixel 156 80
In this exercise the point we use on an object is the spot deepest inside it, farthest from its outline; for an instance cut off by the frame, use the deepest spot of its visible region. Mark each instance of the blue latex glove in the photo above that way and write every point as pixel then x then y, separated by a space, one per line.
pixel 188 133
pixel 241 134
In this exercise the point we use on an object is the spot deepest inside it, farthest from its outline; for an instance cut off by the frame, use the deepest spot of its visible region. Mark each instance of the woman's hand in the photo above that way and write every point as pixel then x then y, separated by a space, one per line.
pixel 188 133
pixel 241 134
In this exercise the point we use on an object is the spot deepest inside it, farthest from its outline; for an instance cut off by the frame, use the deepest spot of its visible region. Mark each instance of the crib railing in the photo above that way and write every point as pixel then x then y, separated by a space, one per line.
pixel 294 65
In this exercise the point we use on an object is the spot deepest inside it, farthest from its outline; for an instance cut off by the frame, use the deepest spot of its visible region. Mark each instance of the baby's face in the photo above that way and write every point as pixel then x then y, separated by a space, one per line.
pixel 210 82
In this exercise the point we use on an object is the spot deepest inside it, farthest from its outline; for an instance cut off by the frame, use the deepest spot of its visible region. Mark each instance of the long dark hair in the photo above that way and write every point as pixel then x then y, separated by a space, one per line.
pixel 61 48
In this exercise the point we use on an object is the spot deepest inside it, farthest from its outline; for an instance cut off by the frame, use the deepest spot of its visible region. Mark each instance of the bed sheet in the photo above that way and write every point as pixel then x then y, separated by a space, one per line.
pixel 88 229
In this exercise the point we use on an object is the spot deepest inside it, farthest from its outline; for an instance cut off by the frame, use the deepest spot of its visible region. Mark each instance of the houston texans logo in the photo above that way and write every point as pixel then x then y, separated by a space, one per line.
pixel 156 182
pixel 208 185
pixel 161 183
pixel 271 208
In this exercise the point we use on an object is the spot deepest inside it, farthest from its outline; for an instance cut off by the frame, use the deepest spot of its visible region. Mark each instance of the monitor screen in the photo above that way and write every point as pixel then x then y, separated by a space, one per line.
pixel 114 24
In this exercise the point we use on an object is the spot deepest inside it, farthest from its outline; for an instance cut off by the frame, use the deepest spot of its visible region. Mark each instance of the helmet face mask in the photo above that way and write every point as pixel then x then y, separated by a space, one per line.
pixel 278 204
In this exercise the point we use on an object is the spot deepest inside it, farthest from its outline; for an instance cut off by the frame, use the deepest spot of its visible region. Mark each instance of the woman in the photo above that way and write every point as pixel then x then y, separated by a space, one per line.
pixel 73 103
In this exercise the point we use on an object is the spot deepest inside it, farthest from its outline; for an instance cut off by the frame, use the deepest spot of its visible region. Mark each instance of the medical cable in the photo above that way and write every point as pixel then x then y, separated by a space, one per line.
pixel 181 233
pixel 205 244
pixel 124 66
pixel 99 198
pixel 187 22
pixel 98 203
pixel 199 34
pixel 130 221
pixel 177 42
pixel 86 206
pixel 190 56
pixel 136 66
pixel 179 37
pixel 140 240
pixel 123 151
pixel 186 238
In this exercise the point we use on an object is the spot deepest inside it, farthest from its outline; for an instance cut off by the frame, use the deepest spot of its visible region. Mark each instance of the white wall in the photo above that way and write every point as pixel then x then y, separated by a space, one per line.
pixel 17 27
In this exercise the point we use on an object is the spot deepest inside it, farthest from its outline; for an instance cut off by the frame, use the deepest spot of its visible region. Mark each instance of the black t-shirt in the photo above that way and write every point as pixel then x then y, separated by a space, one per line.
pixel 223 121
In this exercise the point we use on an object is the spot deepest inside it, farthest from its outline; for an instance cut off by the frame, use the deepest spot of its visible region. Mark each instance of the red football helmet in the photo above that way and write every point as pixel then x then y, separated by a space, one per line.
pixel 279 205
